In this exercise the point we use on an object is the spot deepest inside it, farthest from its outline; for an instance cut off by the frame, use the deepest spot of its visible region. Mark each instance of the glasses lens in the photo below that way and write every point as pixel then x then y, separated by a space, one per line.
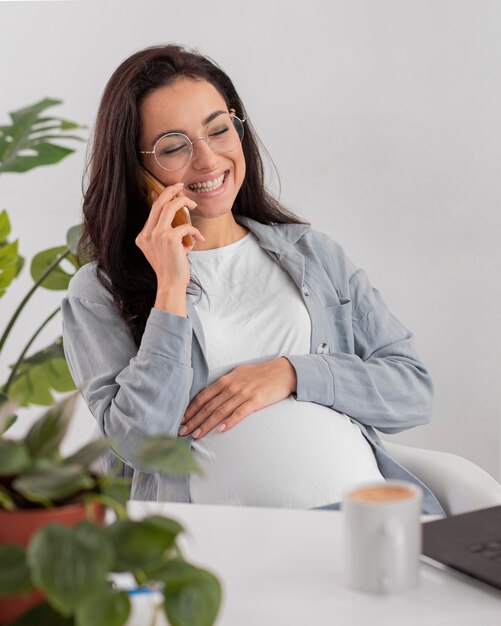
pixel 173 151
pixel 225 132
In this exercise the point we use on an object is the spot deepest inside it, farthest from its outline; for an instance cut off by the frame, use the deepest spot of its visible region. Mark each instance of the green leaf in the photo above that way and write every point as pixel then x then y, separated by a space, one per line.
pixel 139 545
pixel 39 374
pixel 192 595
pixel 57 279
pixel 37 154
pixel 20 264
pixel 7 408
pixel 105 607
pixel 116 489
pixel 8 254
pixel 163 524
pixel 6 501
pixel 69 564
pixel 167 455
pixel 14 457
pixel 43 615
pixel 10 261
pixel 67 125
pixel 26 144
pixel 73 237
pixel 48 482
pixel 89 453
pixel 4 226
pixel 45 436
pixel 14 572
pixel 6 277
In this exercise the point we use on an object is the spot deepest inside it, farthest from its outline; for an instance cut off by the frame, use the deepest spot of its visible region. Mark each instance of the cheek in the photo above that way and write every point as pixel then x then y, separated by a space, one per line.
pixel 168 178
pixel 240 166
pixel 165 177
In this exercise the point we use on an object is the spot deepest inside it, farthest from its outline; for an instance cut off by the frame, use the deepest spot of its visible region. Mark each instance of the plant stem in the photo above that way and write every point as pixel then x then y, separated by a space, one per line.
pixel 27 297
pixel 15 368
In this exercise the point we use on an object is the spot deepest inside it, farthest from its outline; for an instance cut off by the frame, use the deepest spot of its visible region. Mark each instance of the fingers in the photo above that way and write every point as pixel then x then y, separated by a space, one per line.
pixel 208 417
pixel 156 208
pixel 161 221
pixel 223 417
pixel 201 401
pixel 223 404
pixel 213 398
pixel 188 229
pixel 165 206
pixel 169 215
pixel 243 411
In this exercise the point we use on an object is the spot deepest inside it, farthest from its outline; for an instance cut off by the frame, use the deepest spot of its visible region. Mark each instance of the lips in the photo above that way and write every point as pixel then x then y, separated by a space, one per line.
pixel 208 185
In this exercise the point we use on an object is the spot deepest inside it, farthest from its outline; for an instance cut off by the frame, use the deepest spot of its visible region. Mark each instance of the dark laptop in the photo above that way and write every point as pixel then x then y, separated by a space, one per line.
pixel 469 543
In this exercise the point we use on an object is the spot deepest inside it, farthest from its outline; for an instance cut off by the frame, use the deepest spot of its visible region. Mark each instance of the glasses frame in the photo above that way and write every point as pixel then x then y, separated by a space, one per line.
pixel 231 113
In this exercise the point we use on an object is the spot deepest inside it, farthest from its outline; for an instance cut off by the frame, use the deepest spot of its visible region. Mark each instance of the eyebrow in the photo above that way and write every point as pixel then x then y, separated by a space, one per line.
pixel 206 121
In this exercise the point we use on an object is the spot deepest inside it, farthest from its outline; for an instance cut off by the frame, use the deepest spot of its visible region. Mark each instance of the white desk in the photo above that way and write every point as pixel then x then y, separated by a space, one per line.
pixel 283 568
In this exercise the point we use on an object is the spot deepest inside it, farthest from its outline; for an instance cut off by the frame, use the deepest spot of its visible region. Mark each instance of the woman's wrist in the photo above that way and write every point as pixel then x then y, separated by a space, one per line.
pixel 289 373
pixel 172 299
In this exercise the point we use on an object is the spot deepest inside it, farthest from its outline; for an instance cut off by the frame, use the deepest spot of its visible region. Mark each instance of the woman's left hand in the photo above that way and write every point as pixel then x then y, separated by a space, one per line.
pixel 237 394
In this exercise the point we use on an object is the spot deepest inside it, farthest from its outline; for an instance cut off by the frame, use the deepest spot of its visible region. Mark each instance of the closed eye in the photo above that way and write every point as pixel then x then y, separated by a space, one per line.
pixel 219 131
pixel 173 149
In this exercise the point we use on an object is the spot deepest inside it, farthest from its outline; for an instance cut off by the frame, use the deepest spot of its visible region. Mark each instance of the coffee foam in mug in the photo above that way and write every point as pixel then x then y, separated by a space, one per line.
pixel 381 493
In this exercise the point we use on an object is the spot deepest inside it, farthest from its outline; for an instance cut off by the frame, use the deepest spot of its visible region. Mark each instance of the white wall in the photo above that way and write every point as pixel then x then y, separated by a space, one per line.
pixel 401 101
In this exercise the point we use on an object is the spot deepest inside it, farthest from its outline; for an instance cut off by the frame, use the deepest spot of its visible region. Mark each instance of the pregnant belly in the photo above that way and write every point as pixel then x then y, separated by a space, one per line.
pixel 291 454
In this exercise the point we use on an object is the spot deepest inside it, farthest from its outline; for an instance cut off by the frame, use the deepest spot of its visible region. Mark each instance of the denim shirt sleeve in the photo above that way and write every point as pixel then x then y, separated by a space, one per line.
pixel 131 393
pixel 383 383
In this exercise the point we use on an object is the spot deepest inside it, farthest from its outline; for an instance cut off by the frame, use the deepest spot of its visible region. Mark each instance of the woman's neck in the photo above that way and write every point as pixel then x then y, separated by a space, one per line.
pixel 218 232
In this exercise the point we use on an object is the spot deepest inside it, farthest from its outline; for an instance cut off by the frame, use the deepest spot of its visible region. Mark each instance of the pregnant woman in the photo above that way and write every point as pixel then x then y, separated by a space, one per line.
pixel 257 339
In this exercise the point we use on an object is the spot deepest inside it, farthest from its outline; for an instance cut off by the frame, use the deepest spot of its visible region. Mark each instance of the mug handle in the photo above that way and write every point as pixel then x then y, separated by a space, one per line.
pixel 393 556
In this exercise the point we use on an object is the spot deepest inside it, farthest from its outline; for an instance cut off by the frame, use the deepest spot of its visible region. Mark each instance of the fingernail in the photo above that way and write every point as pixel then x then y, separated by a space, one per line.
pixel 221 428
pixel 179 185
pixel 183 430
pixel 197 433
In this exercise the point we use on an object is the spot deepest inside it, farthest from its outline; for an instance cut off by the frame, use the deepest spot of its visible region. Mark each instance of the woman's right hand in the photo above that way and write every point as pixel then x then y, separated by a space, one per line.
pixel 163 245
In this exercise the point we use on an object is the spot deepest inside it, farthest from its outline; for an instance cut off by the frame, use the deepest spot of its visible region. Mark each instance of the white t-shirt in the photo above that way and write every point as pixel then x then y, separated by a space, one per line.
pixel 289 454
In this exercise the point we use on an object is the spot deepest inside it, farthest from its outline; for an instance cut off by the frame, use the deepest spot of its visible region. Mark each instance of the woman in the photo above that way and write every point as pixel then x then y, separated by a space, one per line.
pixel 260 341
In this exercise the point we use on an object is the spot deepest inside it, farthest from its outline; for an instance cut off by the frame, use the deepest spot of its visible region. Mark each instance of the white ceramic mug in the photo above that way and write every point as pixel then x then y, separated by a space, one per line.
pixel 382 536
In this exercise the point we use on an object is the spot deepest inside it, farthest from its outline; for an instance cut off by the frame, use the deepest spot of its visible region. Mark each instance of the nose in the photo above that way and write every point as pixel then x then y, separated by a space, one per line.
pixel 203 155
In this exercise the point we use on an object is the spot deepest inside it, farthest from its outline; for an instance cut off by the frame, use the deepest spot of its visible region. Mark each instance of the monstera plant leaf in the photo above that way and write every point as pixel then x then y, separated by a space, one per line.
pixel 50 261
pixel 73 237
pixel 40 375
pixel 58 278
pixel 10 261
pixel 28 141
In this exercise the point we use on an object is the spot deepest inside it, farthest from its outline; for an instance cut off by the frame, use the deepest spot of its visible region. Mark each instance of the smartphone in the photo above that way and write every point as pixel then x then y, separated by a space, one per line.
pixel 150 183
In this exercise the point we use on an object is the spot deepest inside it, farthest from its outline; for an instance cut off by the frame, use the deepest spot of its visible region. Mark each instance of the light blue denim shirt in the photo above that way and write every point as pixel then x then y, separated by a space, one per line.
pixel 362 360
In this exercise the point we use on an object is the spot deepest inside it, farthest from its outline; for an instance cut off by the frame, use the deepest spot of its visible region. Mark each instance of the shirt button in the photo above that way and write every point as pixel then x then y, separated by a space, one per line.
pixel 323 348
pixel 305 291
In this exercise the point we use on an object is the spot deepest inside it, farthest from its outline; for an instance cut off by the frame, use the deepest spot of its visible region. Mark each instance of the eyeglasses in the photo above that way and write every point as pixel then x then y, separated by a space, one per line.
pixel 173 151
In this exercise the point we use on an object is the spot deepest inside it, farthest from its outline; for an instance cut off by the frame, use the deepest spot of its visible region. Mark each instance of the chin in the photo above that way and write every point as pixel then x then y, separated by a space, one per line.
pixel 210 212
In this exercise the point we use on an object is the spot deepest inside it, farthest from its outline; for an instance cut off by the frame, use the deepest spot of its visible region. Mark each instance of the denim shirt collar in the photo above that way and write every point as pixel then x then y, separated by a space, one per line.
pixel 278 238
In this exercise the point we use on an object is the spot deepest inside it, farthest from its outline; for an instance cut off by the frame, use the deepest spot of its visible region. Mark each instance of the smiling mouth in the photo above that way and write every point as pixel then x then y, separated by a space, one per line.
pixel 208 185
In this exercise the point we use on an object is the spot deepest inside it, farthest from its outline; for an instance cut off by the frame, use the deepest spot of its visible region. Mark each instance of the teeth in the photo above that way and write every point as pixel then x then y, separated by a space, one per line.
pixel 209 185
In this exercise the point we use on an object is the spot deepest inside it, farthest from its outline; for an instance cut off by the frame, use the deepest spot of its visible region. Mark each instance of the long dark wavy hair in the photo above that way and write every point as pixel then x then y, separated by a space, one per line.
pixel 114 207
